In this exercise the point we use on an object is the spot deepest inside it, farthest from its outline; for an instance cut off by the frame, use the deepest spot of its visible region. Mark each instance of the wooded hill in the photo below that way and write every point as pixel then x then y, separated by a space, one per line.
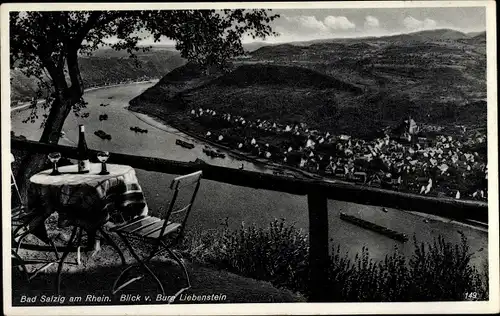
pixel 106 66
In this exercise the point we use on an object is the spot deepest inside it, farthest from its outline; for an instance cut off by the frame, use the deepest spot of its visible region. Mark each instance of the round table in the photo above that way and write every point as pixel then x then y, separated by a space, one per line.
pixel 88 200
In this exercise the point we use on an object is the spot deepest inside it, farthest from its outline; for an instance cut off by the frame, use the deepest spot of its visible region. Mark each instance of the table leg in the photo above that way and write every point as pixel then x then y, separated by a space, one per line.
pixel 97 247
pixel 93 242
pixel 65 254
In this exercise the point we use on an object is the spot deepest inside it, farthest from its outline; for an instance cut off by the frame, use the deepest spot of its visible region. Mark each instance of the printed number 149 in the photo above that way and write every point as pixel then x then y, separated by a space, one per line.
pixel 471 295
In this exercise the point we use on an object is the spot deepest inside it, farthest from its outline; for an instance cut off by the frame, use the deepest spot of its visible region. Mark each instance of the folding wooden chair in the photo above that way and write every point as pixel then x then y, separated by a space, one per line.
pixel 160 233
pixel 24 222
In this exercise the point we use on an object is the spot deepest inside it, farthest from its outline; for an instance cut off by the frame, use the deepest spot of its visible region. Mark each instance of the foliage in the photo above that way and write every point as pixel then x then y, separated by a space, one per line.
pixel 46 45
pixel 279 254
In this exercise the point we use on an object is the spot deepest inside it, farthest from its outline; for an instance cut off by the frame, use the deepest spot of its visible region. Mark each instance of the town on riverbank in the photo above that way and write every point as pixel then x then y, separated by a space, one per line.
pixel 418 158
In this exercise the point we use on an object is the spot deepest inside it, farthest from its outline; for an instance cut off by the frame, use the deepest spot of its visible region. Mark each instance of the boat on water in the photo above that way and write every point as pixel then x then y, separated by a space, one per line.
pixel 102 134
pixel 184 144
pixel 213 153
pixel 138 129
pixel 374 227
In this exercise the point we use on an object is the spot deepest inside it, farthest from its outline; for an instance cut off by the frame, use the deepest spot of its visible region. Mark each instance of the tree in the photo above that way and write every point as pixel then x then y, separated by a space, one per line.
pixel 46 45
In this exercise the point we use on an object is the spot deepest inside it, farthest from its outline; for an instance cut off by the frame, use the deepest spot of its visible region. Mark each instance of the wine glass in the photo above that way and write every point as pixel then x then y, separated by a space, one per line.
pixel 54 158
pixel 103 157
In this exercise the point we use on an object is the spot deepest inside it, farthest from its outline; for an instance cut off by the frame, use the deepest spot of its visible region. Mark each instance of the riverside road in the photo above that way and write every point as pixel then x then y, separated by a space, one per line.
pixel 216 201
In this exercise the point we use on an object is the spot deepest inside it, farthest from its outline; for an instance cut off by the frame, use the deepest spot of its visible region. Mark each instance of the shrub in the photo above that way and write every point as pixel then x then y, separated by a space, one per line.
pixel 279 254
pixel 442 270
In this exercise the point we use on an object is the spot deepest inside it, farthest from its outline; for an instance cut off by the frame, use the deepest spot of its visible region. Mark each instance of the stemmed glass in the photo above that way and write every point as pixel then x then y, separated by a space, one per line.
pixel 54 158
pixel 103 157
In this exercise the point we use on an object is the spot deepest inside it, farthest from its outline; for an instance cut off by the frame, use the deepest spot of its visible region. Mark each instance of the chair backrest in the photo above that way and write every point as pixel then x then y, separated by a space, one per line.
pixel 183 183
pixel 14 184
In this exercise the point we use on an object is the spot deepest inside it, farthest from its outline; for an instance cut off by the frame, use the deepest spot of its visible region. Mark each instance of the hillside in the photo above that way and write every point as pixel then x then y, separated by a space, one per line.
pixel 290 76
pixel 106 66
pixel 431 71
pixel 475 34
pixel 426 36
pixel 255 91
pixel 351 86
pixel 419 36
pixel 476 39
pixel 183 78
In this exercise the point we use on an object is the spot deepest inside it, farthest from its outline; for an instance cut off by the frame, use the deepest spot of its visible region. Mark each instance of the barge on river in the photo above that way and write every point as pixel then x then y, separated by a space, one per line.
pixel 374 227
pixel 184 144
pixel 213 153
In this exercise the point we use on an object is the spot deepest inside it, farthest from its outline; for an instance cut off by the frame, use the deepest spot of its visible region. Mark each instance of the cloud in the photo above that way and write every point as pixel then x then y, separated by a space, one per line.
pixel 307 23
pixel 371 22
pixel 413 24
pixel 311 22
pixel 338 22
pixel 303 23
pixel 307 27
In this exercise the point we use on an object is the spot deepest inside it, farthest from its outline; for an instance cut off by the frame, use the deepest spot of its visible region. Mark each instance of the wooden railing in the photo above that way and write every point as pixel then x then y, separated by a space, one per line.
pixel 318 193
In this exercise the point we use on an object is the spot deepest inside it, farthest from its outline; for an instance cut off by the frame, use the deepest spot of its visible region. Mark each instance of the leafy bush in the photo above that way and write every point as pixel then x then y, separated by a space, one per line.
pixel 436 271
pixel 443 270
pixel 279 254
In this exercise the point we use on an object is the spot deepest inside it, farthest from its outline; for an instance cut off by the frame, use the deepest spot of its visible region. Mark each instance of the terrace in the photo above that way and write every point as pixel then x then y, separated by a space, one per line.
pixel 317 193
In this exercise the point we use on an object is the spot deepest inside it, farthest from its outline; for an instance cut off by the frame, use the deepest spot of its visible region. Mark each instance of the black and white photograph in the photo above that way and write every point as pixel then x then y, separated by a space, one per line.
pixel 185 158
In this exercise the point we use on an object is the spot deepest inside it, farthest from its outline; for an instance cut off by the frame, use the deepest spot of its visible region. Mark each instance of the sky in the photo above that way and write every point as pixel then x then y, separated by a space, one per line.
pixel 310 24
pixel 301 25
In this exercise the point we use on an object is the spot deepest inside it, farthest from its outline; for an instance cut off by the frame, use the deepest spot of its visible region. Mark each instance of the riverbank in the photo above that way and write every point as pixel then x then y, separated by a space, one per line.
pixel 278 168
pixel 454 165
pixel 27 104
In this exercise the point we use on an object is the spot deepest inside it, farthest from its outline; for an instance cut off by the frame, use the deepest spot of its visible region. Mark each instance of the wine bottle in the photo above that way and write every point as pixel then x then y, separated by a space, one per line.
pixel 83 152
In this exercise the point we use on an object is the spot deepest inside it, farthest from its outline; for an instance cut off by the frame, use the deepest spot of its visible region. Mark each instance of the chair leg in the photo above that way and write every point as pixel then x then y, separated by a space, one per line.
pixel 179 261
pixel 65 254
pixel 79 247
pixel 18 229
pixel 20 240
pixel 114 245
pixel 42 268
pixel 115 290
pixel 21 264
pixel 141 263
pixel 56 252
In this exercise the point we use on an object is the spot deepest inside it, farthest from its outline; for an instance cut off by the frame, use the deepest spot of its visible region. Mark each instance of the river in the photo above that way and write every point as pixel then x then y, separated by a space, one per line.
pixel 216 201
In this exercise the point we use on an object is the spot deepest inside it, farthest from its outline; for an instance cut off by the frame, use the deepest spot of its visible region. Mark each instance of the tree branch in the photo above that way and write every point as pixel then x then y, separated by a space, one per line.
pixel 74 72
pixel 86 27
pixel 55 72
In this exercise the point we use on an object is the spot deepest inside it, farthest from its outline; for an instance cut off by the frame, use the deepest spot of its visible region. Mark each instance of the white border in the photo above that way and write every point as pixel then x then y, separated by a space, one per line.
pixel 281 308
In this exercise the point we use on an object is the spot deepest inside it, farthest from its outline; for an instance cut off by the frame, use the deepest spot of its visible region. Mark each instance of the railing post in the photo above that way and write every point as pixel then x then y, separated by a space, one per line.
pixel 318 247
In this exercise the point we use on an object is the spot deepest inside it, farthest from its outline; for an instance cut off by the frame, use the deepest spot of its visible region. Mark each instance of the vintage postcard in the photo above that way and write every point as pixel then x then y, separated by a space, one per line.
pixel 249 158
